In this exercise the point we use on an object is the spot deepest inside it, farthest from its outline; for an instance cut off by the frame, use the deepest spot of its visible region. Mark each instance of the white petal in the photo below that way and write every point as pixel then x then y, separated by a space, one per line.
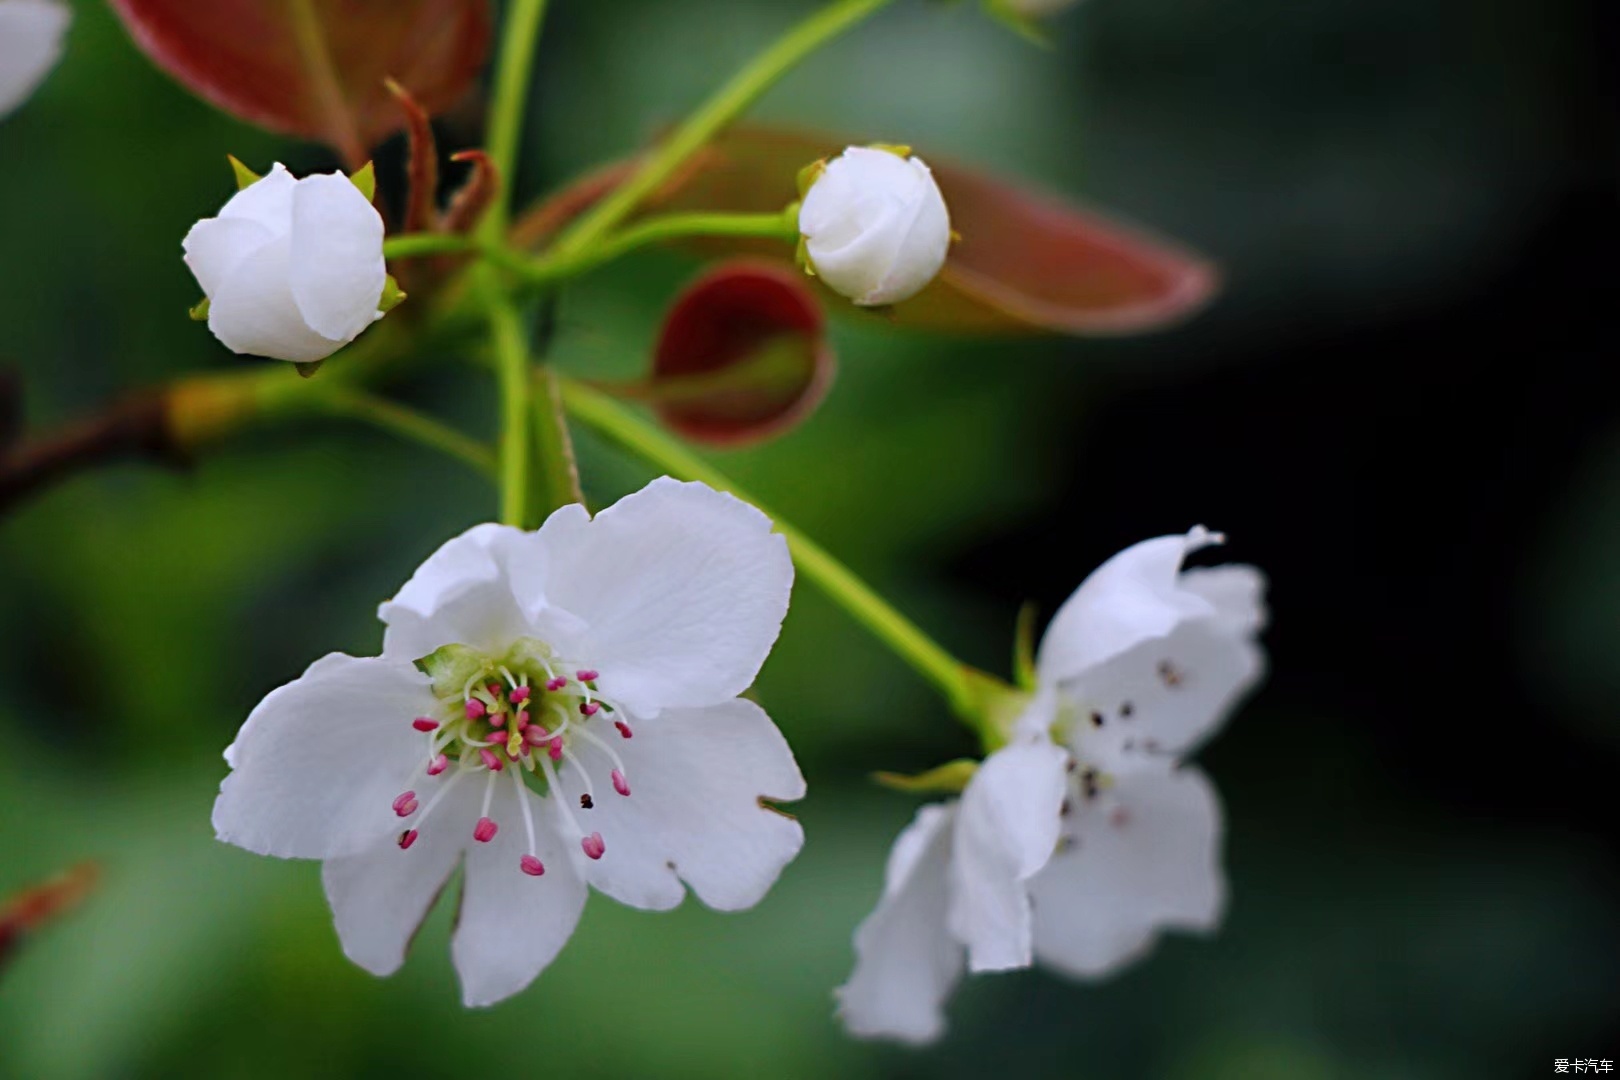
pixel 906 963
pixel 1006 830
pixel 696 778
pixel 31 34
pixel 253 312
pixel 922 249
pixel 682 590
pixel 216 246
pixel 267 201
pixel 380 898
pixel 1179 689
pixel 337 258
pixel 319 762
pixel 459 595
pixel 512 925
pixel 1237 592
pixel 875 226
pixel 1134 596
pixel 1100 903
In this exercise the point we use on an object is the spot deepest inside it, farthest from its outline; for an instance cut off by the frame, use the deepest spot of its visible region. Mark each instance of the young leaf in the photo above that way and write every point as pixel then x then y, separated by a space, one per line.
pixel 742 355
pixel 324 79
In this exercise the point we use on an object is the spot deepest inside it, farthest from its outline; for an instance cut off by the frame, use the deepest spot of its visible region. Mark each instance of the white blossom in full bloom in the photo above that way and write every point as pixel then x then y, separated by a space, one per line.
pixel 552 709
pixel 1086 836
pixel 293 269
pixel 31 34
pixel 875 226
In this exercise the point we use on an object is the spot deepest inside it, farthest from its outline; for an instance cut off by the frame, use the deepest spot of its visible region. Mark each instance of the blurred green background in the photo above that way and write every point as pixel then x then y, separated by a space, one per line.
pixel 1396 408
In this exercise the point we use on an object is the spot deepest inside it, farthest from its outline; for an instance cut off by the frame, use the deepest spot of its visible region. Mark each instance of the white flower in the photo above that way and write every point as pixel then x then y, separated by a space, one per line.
pixel 293 269
pixel 30 44
pixel 1082 839
pixel 875 226
pixel 555 708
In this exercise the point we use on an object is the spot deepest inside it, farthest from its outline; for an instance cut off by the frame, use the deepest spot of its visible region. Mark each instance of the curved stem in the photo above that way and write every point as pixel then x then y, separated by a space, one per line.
pixel 724 106
pixel 518 40
pixel 407 423
pixel 555 267
pixel 512 374
pixel 416 245
pixel 899 633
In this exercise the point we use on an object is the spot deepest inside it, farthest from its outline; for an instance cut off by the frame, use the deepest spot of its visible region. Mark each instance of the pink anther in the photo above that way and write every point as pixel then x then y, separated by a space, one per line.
pixel 593 845
pixel 531 866
pixel 485 830
pixel 406 839
pixel 536 735
pixel 588 675
pixel 589 708
pixel 554 749
pixel 405 805
pixel 558 683
pixel 438 765
pixel 491 761
pixel 620 784
pixel 519 695
pixel 424 723
pixel 521 720
pixel 624 728
pixel 475 709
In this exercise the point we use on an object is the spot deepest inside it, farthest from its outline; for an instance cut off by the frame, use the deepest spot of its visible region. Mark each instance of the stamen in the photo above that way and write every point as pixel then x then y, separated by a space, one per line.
pixel 562 803
pixel 490 760
pixel 589 798
pixel 587 675
pixel 406 839
pixel 519 695
pixel 536 735
pixel 438 765
pixel 624 728
pixel 521 720
pixel 593 845
pixel 556 684
pixel 424 723
pixel 475 709
pixel 438 797
pixel 589 708
pixel 554 750
pixel 528 826
pixel 531 866
pixel 494 688
pixel 618 762
pixel 620 784
pixel 485 830
pixel 405 805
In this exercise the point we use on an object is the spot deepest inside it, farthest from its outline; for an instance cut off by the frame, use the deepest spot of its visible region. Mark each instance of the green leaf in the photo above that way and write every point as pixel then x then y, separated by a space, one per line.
pixel 245 176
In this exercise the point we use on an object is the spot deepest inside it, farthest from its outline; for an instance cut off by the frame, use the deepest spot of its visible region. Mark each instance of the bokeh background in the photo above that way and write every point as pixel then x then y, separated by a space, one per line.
pixel 1395 408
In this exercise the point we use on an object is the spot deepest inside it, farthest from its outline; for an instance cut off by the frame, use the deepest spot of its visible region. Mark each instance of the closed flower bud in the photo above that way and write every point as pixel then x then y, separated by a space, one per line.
pixel 293 269
pixel 30 43
pixel 875 226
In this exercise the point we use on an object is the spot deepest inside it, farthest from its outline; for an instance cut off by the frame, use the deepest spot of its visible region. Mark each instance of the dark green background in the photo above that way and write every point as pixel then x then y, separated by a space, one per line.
pixel 1397 408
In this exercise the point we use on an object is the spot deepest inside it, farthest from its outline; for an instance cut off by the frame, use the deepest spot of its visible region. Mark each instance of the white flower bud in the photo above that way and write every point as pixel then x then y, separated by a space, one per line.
pixel 875 226
pixel 30 44
pixel 293 269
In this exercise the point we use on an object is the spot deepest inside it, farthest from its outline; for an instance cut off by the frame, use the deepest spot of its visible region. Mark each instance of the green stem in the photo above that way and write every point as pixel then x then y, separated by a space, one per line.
pixel 512 374
pixel 555 267
pixel 557 470
pixel 416 245
pixel 409 424
pixel 518 40
pixel 317 60
pixel 907 640
pixel 727 103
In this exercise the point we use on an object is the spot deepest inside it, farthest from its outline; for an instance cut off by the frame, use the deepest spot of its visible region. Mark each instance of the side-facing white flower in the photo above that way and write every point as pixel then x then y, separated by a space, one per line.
pixel 555 709
pixel 293 269
pixel 1085 837
pixel 875 226
pixel 31 34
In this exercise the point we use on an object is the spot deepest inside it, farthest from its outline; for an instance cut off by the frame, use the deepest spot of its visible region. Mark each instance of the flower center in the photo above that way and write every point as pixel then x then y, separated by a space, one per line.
pixel 528 713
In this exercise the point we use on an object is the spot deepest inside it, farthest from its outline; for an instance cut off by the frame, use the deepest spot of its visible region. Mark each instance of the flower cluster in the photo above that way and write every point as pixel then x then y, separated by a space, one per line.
pixel 554 709
pixel 1086 835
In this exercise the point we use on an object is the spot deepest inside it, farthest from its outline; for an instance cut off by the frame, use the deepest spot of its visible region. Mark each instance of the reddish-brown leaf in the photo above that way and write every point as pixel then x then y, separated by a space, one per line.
pixel 245 57
pixel 31 909
pixel 742 355
pixel 1025 262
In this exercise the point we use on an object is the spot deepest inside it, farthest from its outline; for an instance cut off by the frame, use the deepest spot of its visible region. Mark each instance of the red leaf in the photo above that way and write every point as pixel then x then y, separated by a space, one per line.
pixel 245 56
pixel 27 911
pixel 1024 262
pixel 742 355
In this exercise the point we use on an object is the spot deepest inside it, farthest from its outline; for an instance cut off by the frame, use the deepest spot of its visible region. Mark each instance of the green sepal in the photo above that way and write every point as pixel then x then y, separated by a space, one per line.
pixel 1024 648
pixel 245 177
pixel 801 255
pixel 899 150
pixel 392 296
pixel 199 310
pixel 996 707
pixel 308 369
pixel 452 667
pixel 947 779
pixel 366 180
pixel 809 175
